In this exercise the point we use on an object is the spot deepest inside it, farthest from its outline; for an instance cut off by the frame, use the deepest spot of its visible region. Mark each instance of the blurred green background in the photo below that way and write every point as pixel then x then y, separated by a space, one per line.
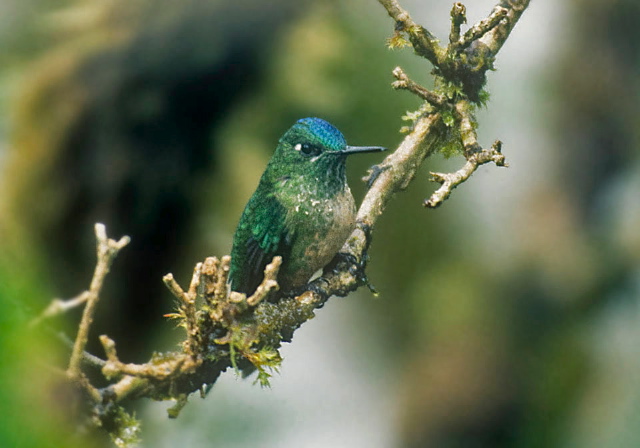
pixel 509 317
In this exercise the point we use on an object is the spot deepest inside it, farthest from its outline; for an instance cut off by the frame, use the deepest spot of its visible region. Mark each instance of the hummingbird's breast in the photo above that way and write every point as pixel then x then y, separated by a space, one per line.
pixel 320 220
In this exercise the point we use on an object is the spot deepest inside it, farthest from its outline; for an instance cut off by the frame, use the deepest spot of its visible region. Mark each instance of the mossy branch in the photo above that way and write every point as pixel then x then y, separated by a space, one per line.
pixel 228 329
pixel 460 74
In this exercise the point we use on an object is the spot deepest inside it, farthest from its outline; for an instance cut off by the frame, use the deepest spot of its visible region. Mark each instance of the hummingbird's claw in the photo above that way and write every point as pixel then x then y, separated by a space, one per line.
pixel 374 173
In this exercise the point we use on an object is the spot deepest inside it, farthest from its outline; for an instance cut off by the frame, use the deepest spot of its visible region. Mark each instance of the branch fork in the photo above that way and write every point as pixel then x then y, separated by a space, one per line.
pixel 460 71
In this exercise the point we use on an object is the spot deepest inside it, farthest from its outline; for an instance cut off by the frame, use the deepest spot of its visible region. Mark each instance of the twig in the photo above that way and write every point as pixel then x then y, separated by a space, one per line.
pixel 450 181
pixel 107 249
pixel 174 287
pixel 221 289
pixel 59 306
pixel 187 308
pixel 424 43
pixel 482 27
pixel 404 83
pixel 158 370
pixel 458 17
pixel 497 36
pixel 87 358
pixel 125 388
pixel 268 284
pixel 474 154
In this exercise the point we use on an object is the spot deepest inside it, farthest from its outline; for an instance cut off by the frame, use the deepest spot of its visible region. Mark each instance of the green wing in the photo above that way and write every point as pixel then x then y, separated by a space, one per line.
pixel 260 236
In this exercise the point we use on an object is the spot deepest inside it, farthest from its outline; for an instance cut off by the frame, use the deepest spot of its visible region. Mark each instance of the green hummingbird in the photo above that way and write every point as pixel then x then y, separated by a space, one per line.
pixel 302 210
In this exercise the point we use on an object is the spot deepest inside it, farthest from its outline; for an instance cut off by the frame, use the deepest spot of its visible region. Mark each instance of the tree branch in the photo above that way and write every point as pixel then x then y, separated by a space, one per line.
pixel 460 73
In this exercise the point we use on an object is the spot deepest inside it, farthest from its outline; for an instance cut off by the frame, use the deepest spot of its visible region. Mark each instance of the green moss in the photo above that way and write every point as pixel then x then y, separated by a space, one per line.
pixel 448 118
pixel 413 116
pixel 483 97
pixel 125 432
pixel 397 41
pixel 451 90
pixel 181 402
pixel 266 360
pixel 452 147
pixel 257 337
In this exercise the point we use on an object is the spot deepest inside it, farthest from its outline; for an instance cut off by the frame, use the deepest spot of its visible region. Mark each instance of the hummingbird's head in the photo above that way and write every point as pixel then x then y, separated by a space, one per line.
pixel 314 146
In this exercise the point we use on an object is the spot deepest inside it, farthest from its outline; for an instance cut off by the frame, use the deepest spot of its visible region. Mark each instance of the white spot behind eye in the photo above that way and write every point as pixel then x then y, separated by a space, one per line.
pixel 298 147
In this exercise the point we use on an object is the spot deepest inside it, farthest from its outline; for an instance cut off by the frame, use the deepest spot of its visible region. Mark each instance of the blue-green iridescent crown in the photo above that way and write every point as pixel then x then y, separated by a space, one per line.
pixel 318 131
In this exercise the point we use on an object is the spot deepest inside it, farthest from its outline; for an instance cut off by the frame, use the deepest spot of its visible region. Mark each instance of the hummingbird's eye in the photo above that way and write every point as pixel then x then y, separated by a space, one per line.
pixel 307 149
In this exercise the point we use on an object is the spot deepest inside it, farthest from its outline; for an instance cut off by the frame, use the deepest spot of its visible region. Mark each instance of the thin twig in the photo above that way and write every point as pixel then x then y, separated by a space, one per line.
pixel 158 370
pixel 450 181
pixel 424 43
pixel 59 306
pixel 268 284
pixel 87 358
pixel 126 387
pixel 107 249
pixel 482 27
pixel 497 36
pixel 221 289
pixel 174 287
pixel 458 17
pixel 404 83
pixel 189 307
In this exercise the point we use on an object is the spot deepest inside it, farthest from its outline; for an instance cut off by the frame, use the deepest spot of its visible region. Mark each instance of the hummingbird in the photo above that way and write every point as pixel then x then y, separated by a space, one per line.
pixel 302 209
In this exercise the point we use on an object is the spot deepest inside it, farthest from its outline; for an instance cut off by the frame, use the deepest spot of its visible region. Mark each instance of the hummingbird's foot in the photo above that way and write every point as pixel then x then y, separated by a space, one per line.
pixel 344 274
pixel 295 292
pixel 356 268
pixel 374 173
pixel 317 286
pixel 345 262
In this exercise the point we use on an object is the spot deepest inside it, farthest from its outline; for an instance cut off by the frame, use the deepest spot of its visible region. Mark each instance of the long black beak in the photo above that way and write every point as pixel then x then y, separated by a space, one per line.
pixel 361 149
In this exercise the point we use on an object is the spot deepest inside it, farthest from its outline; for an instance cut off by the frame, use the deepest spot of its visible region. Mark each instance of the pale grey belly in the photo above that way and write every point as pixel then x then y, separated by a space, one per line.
pixel 319 235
